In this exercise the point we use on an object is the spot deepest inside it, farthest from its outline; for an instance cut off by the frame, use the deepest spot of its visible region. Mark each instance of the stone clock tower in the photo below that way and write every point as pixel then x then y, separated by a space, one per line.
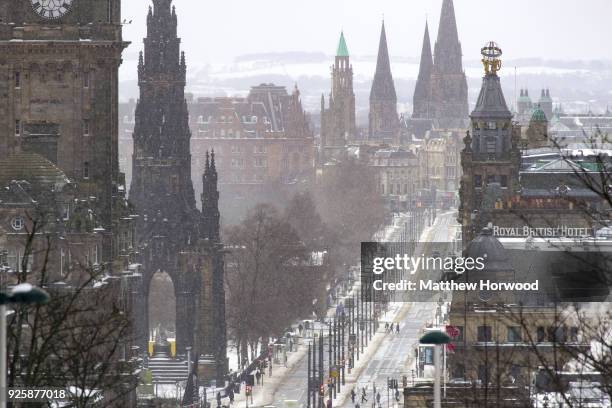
pixel 59 63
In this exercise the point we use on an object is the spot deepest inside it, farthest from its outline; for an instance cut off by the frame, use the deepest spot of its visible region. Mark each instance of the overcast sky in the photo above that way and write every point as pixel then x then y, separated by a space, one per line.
pixel 216 31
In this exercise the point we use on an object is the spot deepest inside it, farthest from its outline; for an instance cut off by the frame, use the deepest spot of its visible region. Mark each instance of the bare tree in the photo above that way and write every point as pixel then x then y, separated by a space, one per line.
pixel 350 206
pixel 76 342
pixel 270 282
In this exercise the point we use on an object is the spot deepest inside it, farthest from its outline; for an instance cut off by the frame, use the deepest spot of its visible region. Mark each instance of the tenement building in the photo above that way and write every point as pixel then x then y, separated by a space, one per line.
pixel 263 144
pixel 338 124
pixel 396 171
pixel 384 122
pixel 173 235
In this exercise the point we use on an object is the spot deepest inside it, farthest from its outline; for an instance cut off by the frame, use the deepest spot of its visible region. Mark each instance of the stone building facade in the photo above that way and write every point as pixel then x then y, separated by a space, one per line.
pixel 383 119
pixel 173 235
pixel 537 187
pixel 59 169
pixel 338 125
pixel 59 99
pixel 396 172
pixel 263 144
pixel 440 164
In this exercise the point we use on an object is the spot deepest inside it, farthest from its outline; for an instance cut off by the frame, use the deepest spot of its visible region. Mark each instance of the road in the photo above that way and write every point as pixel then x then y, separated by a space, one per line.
pixel 394 356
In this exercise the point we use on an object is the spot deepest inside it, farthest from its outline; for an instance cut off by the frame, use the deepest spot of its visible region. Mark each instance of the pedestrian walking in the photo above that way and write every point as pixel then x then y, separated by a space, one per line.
pixel 285 357
pixel 397 395
pixel 374 389
pixel 218 399
pixel 258 376
pixel 300 328
pixel 329 403
pixel 353 395
pixel 357 405
pixel 386 327
pixel 363 395
pixel 378 398
pixel 397 328
pixel 391 330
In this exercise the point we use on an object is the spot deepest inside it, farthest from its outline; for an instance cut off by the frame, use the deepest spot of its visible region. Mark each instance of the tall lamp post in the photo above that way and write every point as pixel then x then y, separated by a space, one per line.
pixel 437 338
pixel 23 293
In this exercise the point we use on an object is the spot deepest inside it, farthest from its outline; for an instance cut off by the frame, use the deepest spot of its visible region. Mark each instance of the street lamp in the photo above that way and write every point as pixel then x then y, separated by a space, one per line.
pixel 23 293
pixel 437 338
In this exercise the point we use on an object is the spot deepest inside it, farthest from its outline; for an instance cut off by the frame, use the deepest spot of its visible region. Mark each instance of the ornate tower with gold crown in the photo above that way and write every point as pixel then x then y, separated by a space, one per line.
pixel 491 157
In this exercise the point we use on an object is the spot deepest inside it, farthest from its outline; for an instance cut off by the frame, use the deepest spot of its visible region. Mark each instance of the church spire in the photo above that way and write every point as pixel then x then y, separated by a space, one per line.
pixel 342 48
pixel 448 48
pixel 383 120
pixel 382 86
pixel 422 89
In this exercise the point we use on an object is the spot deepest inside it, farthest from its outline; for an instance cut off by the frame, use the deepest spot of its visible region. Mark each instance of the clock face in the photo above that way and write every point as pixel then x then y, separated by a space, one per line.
pixel 51 9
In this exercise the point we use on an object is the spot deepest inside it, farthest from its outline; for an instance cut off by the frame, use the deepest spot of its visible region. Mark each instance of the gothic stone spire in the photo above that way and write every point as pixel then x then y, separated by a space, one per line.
pixel 422 89
pixel 448 48
pixel 383 99
pixel 449 94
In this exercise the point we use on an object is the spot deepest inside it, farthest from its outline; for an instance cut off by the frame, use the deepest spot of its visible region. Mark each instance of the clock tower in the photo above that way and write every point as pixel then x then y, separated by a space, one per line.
pixel 59 62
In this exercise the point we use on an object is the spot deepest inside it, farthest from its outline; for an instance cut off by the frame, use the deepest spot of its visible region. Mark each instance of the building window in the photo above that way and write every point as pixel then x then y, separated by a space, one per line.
pixel 541 334
pixel 237 163
pixel 483 373
pixel 261 162
pixel 17 223
pixel 86 79
pixel 491 144
pixel 490 179
pixel 86 127
pixel 17 127
pixel 477 181
pixel 484 333
pixel 236 149
pixel 62 262
pixel 459 371
pixel 514 334
pixel 15 261
pixel 66 212
pixel 260 149
pixel 503 181
pixel 573 334
pixel 86 170
pixel 17 79
pixel 515 372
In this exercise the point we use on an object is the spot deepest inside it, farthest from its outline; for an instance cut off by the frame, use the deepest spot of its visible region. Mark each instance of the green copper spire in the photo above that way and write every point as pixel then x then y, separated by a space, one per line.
pixel 342 49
